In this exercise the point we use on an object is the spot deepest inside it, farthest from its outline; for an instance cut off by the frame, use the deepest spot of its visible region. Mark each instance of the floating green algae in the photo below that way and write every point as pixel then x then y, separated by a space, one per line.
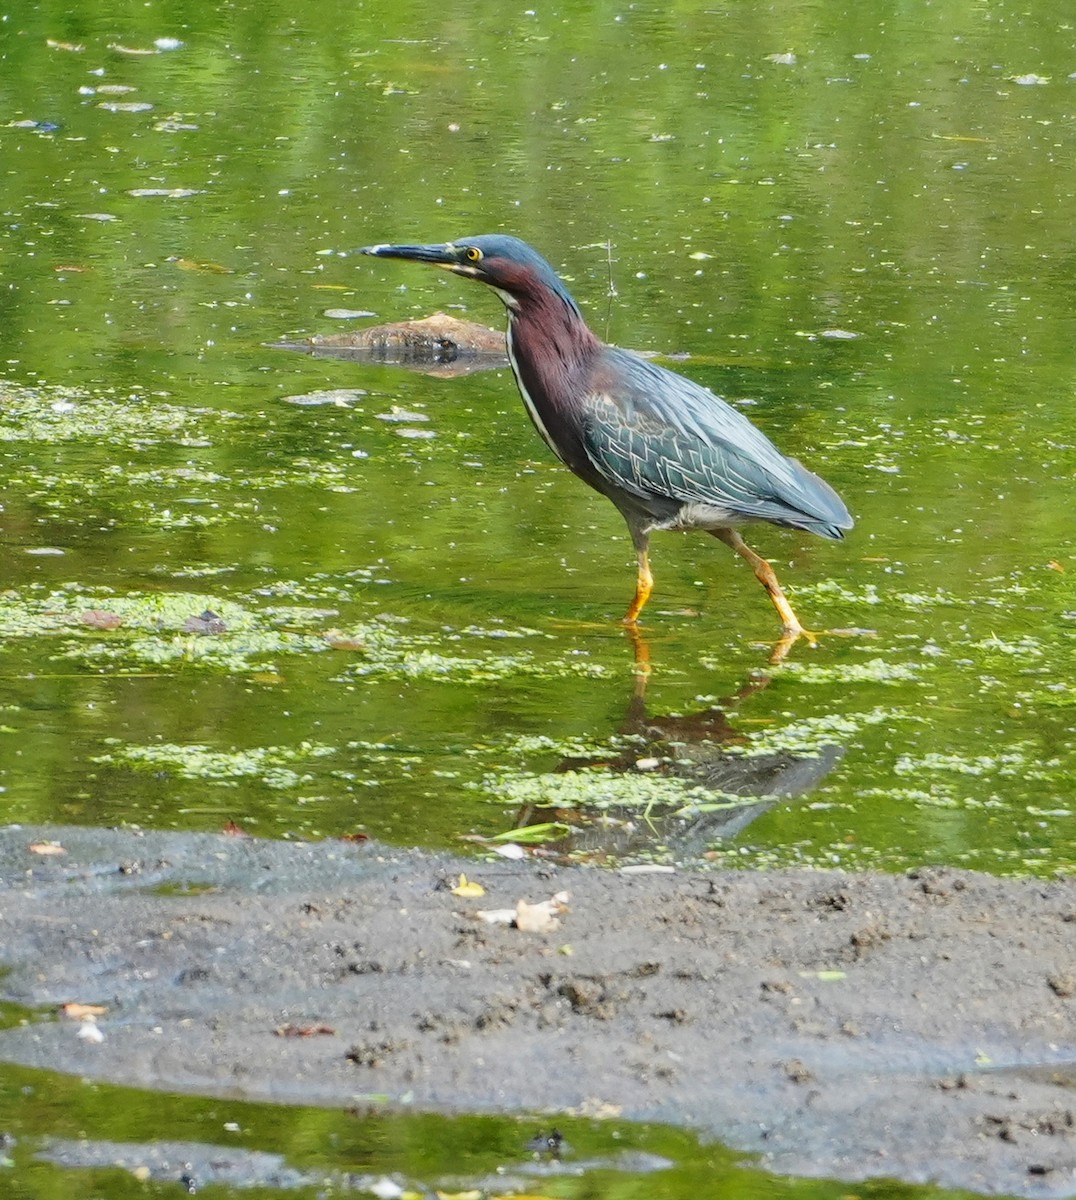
pixel 32 612
pixel 1055 694
pixel 571 747
pixel 808 736
pixel 1017 760
pixel 877 670
pixel 939 795
pixel 408 660
pixel 599 789
pixel 158 629
pixel 384 651
pixel 120 419
pixel 142 629
pixel 172 498
pixel 269 764
pixel 832 589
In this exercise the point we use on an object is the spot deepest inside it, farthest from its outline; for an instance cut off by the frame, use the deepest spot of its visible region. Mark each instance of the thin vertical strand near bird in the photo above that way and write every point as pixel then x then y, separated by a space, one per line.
pixel 667 452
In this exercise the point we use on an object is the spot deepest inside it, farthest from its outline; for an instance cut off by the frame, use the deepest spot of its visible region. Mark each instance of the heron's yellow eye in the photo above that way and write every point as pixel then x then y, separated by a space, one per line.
pixel 473 254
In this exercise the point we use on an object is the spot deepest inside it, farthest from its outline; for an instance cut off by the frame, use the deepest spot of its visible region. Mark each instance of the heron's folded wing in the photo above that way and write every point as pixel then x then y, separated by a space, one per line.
pixel 663 436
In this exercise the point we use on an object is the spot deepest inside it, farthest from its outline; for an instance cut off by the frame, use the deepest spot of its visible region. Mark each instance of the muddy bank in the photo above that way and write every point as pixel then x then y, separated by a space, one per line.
pixel 917 1026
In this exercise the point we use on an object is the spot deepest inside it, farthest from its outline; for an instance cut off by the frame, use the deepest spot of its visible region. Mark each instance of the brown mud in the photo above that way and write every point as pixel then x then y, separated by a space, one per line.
pixel 921 1026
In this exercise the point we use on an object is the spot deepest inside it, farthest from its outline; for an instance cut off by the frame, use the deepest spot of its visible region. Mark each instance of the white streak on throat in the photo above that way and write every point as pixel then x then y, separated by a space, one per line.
pixel 532 408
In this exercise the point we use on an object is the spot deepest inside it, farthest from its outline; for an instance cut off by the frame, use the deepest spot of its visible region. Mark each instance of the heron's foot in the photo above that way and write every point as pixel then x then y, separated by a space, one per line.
pixel 793 634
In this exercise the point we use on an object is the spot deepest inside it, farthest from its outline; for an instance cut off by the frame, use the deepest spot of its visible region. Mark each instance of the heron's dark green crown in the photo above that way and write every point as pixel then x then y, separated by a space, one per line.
pixel 505 263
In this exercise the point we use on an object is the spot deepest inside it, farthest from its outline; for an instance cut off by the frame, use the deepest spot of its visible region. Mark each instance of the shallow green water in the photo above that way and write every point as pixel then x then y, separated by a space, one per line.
pixel 902 180
pixel 749 186
pixel 65 1134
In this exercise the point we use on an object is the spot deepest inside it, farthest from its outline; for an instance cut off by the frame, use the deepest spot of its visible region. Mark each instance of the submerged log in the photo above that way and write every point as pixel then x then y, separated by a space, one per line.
pixel 439 345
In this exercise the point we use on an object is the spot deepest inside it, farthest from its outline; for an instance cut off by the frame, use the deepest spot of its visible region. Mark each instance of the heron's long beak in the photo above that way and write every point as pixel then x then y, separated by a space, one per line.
pixel 441 256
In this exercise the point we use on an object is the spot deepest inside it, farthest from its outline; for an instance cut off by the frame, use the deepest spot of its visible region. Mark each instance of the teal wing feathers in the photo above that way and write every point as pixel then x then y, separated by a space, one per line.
pixel 668 441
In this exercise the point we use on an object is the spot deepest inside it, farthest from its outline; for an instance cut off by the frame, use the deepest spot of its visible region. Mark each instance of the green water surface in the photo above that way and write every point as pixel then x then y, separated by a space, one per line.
pixel 50 1119
pixel 390 611
pixel 856 222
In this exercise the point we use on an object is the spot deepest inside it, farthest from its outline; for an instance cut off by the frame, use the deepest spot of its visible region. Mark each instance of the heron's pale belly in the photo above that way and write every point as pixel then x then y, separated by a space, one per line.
pixel 701 516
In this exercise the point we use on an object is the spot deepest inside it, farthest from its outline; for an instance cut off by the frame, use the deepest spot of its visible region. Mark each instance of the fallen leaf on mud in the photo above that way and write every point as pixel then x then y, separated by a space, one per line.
pixel 542 917
pixel 234 830
pixel 512 851
pixel 468 887
pixel 529 918
pixel 354 837
pixel 302 1031
pixel 79 1012
pixel 497 916
pixel 46 848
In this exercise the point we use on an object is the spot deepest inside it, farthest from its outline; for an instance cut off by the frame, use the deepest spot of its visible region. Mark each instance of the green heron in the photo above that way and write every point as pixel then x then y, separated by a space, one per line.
pixel 667 452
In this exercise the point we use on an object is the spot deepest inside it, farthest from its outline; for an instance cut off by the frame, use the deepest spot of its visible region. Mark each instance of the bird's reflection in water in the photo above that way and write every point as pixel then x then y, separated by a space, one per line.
pixel 705 750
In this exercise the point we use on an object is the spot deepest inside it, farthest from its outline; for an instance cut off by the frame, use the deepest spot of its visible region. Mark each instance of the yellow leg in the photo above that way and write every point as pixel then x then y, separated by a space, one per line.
pixel 765 575
pixel 643 587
